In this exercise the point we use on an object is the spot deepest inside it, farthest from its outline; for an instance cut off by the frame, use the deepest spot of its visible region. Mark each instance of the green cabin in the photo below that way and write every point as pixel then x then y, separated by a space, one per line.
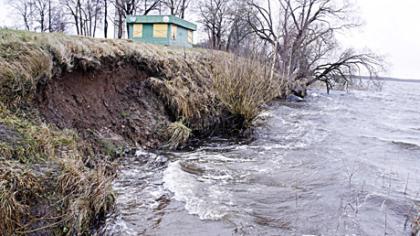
pixel 162 30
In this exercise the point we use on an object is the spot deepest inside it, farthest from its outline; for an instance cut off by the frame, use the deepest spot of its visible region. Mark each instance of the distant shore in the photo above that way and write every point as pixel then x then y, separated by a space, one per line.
pixel 392 79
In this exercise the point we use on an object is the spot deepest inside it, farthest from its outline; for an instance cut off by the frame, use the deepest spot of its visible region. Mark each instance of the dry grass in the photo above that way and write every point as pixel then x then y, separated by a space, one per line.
pixel 36 142
pixel 243 85
pixel 19 189
pixel 21 64
pixel 88 194
pixel 186 89
pixel 178 133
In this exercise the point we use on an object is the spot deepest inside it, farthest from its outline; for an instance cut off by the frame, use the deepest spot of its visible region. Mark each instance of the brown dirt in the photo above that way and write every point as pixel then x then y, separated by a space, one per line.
pixel 111 103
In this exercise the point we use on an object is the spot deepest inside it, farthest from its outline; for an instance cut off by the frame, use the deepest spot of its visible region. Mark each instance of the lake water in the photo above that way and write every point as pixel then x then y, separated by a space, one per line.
pixel 338 164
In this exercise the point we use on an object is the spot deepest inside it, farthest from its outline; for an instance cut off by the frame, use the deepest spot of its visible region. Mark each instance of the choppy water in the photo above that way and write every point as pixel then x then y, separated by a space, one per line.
pixel 338 164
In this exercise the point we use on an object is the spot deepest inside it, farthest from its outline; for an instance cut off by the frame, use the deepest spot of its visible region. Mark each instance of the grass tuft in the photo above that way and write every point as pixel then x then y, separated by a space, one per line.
pixel 19 188
pixel 88 194
pixel 179 135
pixel 243 85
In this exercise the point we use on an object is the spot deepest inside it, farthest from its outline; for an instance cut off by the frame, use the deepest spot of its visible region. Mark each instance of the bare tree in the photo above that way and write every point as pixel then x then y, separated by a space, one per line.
pixel 303 37
pixel 226 25
pixel 238 30
pixel 150 6
pixel 92 11
pixel 59 21
pixel 123 9
pixel 50 15
pixel 86 15
pixel 74 9
pixel 214 17
pixel 177 7
pixel 342 70
pixel 25 9
pixel 41 12
pixel 126 8
pixel 40 15
pixel 106 18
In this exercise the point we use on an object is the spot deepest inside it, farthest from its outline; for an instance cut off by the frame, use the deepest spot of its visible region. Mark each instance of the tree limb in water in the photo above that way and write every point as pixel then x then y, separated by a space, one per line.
pixel 349 65
pixel 305 39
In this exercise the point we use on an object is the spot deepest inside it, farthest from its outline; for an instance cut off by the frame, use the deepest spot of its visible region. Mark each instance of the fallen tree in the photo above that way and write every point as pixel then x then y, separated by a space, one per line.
pixel 303 36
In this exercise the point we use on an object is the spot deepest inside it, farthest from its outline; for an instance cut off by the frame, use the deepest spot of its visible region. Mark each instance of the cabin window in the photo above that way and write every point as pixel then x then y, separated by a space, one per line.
pixel 190 37
pixel 174 29
pixel 160 30
pixel 138 30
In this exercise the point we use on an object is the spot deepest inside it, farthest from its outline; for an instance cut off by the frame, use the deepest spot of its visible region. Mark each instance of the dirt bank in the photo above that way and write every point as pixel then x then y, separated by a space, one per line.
pixel 118 91
pixel 112 101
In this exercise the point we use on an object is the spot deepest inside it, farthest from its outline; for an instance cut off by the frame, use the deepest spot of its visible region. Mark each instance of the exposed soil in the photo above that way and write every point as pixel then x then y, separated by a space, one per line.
pixel 111 103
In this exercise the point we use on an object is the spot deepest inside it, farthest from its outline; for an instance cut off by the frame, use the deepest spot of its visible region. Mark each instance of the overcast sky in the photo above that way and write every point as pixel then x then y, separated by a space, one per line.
pixel 391 28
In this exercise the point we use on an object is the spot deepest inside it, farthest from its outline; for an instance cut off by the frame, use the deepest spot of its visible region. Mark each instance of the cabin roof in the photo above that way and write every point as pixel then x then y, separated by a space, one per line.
pixel 161 19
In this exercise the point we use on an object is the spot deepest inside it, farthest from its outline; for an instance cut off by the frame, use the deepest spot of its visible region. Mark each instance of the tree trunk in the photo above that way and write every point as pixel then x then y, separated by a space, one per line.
pixel 49 17
pixel 183 8
pixel 106 19
pixel 76 21
pixel 42 21
pixel 79 10
pixel 120 25
pixel 26 21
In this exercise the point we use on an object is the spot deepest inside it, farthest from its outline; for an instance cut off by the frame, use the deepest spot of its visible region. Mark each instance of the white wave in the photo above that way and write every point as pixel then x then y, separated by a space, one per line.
pixel 118 226
pixel 216 157
pixel 141 152
pixel 208 201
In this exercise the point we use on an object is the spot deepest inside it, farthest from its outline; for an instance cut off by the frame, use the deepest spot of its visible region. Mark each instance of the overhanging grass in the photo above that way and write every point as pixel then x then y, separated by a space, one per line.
pixel 180 77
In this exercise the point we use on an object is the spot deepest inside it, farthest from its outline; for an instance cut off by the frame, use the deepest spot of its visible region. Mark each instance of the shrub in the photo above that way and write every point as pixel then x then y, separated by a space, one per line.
pixel 243 85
